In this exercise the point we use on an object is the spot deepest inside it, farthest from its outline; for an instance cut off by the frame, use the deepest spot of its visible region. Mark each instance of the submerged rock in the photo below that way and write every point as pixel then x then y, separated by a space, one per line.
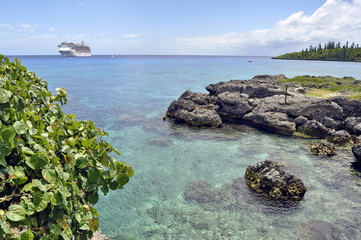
pixel 270 179
pixel 201 192
pixel 323 148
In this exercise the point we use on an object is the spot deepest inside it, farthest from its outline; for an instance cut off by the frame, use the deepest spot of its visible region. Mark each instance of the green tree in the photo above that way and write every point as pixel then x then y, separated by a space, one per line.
pixel 51 165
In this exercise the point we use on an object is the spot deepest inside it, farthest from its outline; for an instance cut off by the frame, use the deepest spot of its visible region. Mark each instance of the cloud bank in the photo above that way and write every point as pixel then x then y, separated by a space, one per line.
pixel 336 20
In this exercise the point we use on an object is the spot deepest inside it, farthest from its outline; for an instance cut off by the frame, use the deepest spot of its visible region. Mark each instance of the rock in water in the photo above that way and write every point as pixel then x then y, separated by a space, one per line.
pixel 270 179
pixel 323 148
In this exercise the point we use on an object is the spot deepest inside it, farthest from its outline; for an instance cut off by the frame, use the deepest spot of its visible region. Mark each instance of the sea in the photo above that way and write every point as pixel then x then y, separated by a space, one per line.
pixel 189 182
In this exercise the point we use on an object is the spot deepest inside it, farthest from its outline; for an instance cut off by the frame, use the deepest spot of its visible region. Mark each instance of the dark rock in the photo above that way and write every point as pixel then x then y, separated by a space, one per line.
pixel 195 109
pixel 321 109
pixel 330 123
pixel 351 122
pixel 314 129
pixel 341 137
pixel 300 120
pixel 233 105
pixel 356 150
pixel 200 117
pixel 181 104
pixel 323 148
pixel 270 179
pixel 273 121
pixel 357 129
pixel 351 108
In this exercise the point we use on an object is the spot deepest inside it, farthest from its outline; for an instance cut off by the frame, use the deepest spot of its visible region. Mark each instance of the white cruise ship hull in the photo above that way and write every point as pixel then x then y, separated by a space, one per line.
pixel 73 53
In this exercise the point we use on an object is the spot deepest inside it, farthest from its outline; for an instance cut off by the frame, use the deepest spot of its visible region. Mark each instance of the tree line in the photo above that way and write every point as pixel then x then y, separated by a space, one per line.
pixel 330 51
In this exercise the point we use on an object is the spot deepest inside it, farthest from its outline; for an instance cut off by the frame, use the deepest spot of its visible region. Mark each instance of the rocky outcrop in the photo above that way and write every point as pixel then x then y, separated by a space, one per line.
pixel 270 179
pixel 194 109
pixel 265 103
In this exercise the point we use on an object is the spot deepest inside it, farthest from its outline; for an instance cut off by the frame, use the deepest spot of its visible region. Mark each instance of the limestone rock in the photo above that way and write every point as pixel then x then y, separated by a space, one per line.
pixel 352 122
pixel 356 150
pixel 200 117
pixel 273 121
pixel 270 179
pixel 300 120
pixel 321 109
pixel 323 148
pixel 341 137
pixel 314 129
pixel 233 105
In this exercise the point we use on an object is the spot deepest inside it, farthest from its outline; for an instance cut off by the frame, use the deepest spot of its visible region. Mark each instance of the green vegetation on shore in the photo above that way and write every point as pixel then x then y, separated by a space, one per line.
pixel 327 86
pixel 329 52
pixel 52 166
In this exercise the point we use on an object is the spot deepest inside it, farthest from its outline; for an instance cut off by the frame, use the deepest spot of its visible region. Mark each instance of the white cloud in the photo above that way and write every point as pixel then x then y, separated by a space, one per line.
pixel 52 29
pixel 77 37
pixel 130 35
pixel 19 26
pixel 26 26
pixel 336 20
pixel 7 26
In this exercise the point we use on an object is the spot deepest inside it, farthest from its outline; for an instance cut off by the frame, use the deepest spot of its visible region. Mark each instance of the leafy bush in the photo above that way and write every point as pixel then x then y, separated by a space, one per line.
pixel 51 166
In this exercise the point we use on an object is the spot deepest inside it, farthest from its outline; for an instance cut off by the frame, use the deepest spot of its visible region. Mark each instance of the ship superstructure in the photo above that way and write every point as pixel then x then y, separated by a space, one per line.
pixel 70 49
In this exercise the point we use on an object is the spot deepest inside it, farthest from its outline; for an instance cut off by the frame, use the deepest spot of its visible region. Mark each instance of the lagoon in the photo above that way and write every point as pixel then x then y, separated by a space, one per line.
pixel 128 96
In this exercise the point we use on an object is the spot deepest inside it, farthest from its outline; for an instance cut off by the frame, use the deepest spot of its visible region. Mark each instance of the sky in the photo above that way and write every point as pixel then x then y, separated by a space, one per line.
pixel 177 27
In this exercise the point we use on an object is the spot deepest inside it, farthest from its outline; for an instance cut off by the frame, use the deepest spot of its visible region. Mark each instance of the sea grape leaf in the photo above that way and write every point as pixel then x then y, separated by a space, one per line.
pixel 93 175
pixel 93 224
pixel 20 127
pixel 130 172
pixel 16 213
pixel 4 151
pixel 4 95
pixel 37 161
pixel 40 201
pixel 28 235
pixel 4 226
pixel 55 229
pixel 7 134
pixel 122 180
pixel 49 175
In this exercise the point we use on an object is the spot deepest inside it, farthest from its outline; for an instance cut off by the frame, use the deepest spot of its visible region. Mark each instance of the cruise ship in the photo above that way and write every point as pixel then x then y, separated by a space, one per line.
pixel 69 49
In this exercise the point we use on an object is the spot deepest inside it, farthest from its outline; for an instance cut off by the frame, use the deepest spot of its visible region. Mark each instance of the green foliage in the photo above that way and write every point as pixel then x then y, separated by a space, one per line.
pixel 51 166
pixel 331 52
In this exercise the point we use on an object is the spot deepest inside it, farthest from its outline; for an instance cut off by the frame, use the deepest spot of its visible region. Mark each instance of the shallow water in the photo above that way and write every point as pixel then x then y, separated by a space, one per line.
pixel 188 182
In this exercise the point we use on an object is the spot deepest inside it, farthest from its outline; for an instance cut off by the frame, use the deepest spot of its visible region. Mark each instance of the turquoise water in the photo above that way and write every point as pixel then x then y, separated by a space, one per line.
pixel 189 182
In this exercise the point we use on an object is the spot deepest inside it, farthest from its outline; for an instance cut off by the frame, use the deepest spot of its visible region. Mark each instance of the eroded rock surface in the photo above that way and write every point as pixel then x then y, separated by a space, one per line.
pixel 265 103
pixel 270 179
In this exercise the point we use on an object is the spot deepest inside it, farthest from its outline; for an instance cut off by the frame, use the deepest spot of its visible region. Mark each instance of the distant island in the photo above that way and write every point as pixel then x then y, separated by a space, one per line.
pixel 331 51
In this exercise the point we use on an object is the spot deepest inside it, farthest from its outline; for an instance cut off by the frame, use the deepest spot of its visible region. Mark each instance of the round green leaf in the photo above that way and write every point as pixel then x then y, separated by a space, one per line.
pixel 16 213
pixel 20 127
pixel 5 95
pixel 37 161
pixel 40 201
pixel 28 235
